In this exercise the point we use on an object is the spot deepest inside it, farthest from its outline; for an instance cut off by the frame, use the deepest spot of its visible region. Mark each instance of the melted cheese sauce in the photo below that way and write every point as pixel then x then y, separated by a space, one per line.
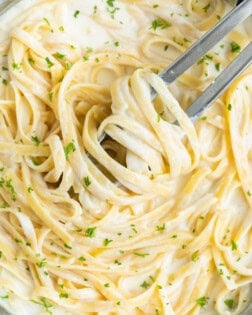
pixel 79 52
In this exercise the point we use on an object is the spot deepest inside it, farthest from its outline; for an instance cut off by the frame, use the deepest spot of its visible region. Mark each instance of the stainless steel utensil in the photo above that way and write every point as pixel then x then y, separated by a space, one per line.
pixel 205 43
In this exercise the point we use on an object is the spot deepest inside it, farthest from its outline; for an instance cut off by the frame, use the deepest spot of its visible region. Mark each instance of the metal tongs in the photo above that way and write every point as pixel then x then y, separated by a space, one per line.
pixel 242 11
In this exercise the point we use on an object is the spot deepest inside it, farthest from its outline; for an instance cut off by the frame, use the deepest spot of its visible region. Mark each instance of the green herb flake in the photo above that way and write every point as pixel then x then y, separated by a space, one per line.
pixel 4 81
pixel 110 3
pixel 204 59
pixel 116 44
pixel 61 28
pixel 233 245
pixel 16 66
pixel 47 21
pixel 160 23
pixel 90 232
pixel 63 295
pixel 9 185
pixel 87 181
pixel 31 61
pixel 106 242
pixel 44 303
pixel 94 9
pixel 202 301
pixel 142 254
pixel 249 193
pixel 195 256
pixel 29 189
pixel 59 55
pixel 76 13
pixel 82 258
pixel 67 246
pixel 106 285
pixel 207 7
pixel 217 66
pixel 70 148
pixel 229 107
pixel 42 263
pixel 4 205
pixel 145 285
pixel 50 96
pixel 155 6
pixel 235 48
pixel 35 140
pixel 117 262
pixel 229 303
pixel 49 62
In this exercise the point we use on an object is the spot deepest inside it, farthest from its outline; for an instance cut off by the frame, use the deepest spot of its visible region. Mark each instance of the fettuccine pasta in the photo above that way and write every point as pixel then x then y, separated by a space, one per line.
pixel 106 205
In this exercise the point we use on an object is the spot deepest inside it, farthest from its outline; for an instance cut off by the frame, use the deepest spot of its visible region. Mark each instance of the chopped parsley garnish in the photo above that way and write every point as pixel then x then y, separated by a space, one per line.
pixel 116 44
pixel 106 242
pixel 142 254
pixel 4 205
pixel 89 50
pixel 4 68
pixel 4 81
pixel 49 62
pixel 229 107
pixel 229 303
pixel 159 116
pixel 47 22
pixel 63 295
pixel 61 28
pixel 1 253
pixel 233 245
pixel 117 262
pixel 29 189
pixel 35 140
pixel 44 303
pixel 160 23
pixel 69 149
pixel 59 55
pixel 50 95
pixel 207 7
pixel 235 48
pixel 76 13
pixel 106 285
pixel 87 181
pixel 81 258
pixel 42 263
pixel 8 184
pixel 4 296
pixel 90 232
pixel 195 256
pixel 110 3
pixel 205 58
pixel 202 301
pixel 95 9
pixel 31 61
pixel 145 285
pixel 160 228
pixel 249 193
pixel 155 6
pixel 15 66
pixel 67 246
pixel 217 66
